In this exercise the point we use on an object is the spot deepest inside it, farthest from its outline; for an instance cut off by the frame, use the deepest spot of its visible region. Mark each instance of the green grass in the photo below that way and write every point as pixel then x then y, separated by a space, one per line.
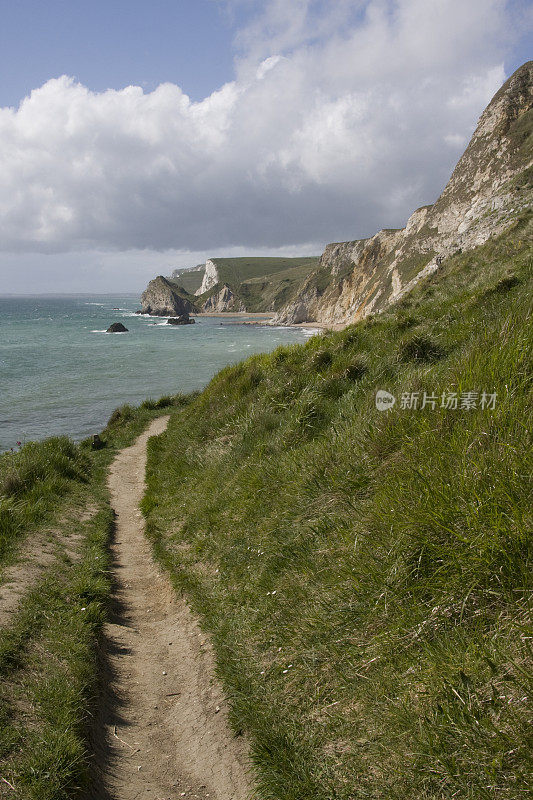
pixel 32 481
pixel 234 271
pixel 48 671
pixel 272 292
pixel 48 664
pixel 190 280
pixel 364 575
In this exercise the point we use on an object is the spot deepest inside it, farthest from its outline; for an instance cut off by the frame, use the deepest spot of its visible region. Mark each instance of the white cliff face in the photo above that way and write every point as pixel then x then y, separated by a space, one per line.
pixel 481 200
pixel 210 277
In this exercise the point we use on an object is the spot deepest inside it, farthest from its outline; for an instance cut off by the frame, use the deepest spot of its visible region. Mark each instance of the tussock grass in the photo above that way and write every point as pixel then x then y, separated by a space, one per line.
pixel 365 575
pixel 31 483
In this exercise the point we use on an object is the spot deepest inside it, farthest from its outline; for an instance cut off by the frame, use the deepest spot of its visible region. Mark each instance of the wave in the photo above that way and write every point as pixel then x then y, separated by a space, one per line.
pixel 127 313
pixel 111 333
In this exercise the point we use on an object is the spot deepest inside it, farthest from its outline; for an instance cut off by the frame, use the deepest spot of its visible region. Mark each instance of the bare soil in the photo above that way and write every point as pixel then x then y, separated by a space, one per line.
pixel 161 730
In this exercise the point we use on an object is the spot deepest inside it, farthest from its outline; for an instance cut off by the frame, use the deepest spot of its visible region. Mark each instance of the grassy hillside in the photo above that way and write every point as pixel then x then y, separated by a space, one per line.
pixel 234 271
pixel 190 280
pixel 263 284
pixel 271 292
pixel 365 574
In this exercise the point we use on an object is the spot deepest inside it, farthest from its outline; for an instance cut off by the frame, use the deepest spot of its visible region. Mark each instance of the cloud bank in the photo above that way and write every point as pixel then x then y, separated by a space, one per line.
pixel 342 118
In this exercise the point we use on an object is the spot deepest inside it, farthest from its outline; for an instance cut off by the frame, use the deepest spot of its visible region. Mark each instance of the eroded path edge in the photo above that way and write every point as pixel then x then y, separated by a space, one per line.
pixel 161 729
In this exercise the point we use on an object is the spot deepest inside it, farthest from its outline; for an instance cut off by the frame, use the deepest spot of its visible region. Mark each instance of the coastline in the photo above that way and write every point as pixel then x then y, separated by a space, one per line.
pixel 261 317
pixel 241 314
pixel 122 368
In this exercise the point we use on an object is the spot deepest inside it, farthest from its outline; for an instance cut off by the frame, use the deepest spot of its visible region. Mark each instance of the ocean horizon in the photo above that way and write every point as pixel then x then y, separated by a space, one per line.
pixel 62 374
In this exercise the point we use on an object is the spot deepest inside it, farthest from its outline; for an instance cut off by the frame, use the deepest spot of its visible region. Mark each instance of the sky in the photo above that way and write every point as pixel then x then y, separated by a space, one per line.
pixel 137 137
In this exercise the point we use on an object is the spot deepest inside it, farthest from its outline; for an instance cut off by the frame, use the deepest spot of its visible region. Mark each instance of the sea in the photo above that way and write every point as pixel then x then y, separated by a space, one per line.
pixel 61 373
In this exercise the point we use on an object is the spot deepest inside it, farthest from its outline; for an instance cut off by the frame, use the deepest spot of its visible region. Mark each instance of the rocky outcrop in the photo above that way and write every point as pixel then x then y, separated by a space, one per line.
pixel 223 300
pixel 210 279
pixel 117 327
pixel 161 300
pixel 184 319
pixel 489 187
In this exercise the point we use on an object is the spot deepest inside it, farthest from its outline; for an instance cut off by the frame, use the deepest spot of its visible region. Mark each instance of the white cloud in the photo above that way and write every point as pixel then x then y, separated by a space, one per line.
pixel 343 117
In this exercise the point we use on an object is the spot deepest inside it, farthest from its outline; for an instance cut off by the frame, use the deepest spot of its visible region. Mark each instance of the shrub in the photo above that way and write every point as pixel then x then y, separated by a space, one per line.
pixel 405 321
pixel 506 283
pixel 321 360
pixel 163 402
pixel 420 348
pixel 11 483
pixel 122 414
pixel 354 372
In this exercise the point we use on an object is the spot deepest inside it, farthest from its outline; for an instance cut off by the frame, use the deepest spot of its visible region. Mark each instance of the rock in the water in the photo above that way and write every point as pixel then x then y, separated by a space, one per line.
pixel 183 319
pixel 117 327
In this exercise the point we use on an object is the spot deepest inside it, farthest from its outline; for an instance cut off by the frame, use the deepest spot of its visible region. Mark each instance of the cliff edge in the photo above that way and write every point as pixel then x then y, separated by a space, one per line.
pixel 488 189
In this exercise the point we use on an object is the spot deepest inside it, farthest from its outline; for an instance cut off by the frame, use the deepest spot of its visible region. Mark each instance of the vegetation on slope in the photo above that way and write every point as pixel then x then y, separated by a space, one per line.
pixel 55 526
pixel 262 284
pixel 234 271
pixel 365 574
pixel 189 279
pixel 272 292
pixel 32 481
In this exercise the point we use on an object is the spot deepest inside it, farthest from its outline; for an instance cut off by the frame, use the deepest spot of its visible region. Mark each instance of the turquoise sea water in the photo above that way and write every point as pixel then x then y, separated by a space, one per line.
pixel 60 373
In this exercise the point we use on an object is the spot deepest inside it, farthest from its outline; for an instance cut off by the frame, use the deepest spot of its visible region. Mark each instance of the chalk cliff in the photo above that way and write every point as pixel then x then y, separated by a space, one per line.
pixel 489 187
pixel 211 277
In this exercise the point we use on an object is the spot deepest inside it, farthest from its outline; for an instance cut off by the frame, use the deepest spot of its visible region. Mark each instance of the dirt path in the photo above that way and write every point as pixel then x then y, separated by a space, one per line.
pixel 162 730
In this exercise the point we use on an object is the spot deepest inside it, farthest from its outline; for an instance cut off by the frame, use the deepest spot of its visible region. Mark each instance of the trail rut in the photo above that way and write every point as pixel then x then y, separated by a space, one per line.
pixel 161 730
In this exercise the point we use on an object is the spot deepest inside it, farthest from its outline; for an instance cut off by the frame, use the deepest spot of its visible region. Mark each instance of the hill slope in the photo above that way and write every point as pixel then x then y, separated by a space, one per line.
pixel 365 574
pixel 252 284
pixel 233 271
pixel 490 185
pixel 188 279
pixel 231 284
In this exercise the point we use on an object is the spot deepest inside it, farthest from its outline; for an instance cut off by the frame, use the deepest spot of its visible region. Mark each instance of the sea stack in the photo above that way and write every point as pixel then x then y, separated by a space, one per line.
pixel 161 299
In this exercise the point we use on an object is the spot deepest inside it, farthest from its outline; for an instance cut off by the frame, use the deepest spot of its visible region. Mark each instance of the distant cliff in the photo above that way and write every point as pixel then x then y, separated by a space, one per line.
pixel 489 187
pixel 211 277
pixel 162 298
pixel 230 285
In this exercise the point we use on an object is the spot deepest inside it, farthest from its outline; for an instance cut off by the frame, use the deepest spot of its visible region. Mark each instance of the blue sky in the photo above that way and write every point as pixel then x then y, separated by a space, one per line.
pixel 281 125
pixel 121 42
pixel 114 44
